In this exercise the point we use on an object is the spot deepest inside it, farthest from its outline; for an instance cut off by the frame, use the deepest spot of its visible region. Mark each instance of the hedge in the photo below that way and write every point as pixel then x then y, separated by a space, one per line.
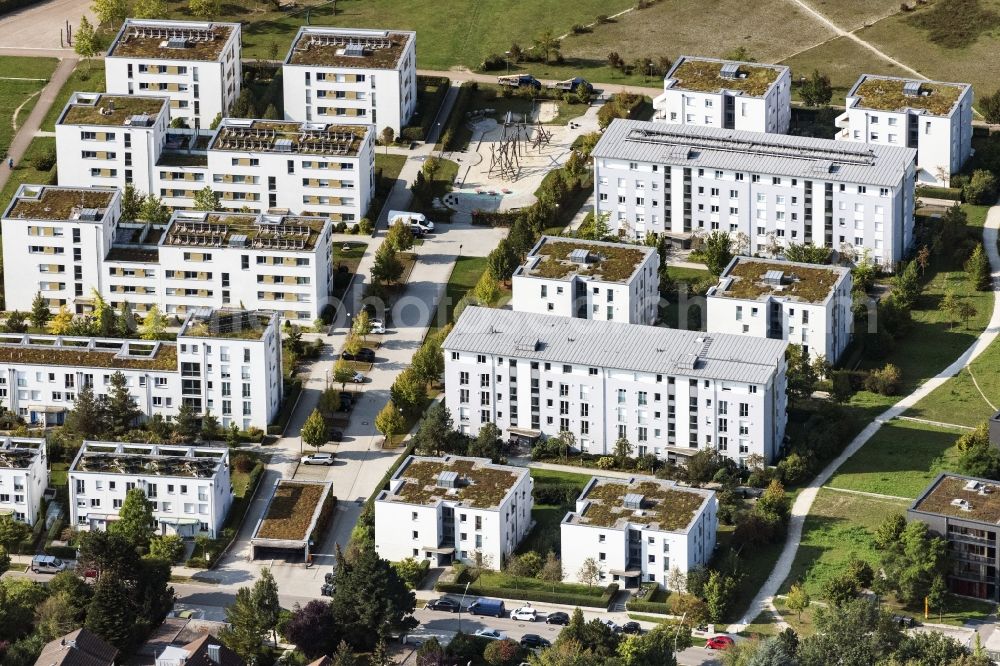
pixel 384 482
pixel 291 395
pixel 543 596
pixel 637 606
pixel 457 117
pixel 555 494
pixel 952 193
pixel 62 552
pixel 431 94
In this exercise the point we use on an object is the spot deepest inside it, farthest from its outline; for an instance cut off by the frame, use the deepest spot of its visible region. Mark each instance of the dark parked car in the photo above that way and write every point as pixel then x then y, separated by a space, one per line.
pixel 904 621
pixel 335 434
pixel 534 641
pixel 557 618
pixel 364 355
pixel 443 604
pixel 327 590
pixel 631 628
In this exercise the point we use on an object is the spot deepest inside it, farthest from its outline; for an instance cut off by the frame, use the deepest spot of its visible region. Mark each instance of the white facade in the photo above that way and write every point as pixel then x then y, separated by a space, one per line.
pixel 340 75
pixel 726 93
pixel 604 281
pixel 639 530
pixel 671 393
pixel 456 520
pixel 773 189
pixel 226 363
pixel 189 486
pixel 195 64
pixel 933 117
pixel 766 298
pixel 24 476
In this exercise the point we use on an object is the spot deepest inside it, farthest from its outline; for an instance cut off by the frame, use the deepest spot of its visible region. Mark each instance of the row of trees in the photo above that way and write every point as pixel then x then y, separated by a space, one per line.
pixel 408 393
pixel 102 321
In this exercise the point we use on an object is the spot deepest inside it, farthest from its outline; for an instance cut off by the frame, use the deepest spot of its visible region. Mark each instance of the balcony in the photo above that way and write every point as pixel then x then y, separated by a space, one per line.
pixel 843 121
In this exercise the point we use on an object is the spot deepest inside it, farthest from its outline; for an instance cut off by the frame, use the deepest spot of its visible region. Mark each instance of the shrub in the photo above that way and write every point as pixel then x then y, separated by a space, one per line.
pixel 542 596
pixel 981 188
pixel 242 463
pixel 365 226
pixel 603 18
pixel 45 160
pixel 493 62
pixel 412 133
pixel 884 381
pixel 579 29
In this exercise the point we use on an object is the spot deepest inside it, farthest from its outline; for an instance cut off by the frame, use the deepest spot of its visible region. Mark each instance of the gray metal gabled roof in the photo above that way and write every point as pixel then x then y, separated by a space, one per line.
pixel 754 152
pixel 609 344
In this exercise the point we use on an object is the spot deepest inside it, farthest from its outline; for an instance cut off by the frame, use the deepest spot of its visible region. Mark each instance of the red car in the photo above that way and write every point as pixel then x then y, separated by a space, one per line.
pixel 719 643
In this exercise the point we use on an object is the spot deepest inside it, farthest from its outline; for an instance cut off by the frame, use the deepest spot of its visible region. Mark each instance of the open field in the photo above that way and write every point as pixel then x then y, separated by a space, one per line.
pixel 12 95
pixel 854 14
pixel 900 460
pixel 27 68
pixel 843 60
pixel 958 400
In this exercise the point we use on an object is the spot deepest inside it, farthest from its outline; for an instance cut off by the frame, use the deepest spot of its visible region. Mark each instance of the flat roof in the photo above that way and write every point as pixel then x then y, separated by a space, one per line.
pixel 472 482
pixel 49 202
pixel 560 258
pixel 347 48
pixel 245 231
pixel 749 278
pixel 891 93
pixel 86 352
pixel 292 510
pixel 138 459
pixel 171 40
pixel 754 152
pixel 696 74
pixel 20 452
pixel 611 344
pixel 964 497
pixel 112 110
pixel 653 503
pixel 224 323
pixel 285 136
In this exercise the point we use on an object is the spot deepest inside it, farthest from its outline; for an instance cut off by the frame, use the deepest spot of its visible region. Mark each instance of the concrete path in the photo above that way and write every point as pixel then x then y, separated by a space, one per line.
pixel 461 74
pixel 33 122
pixel 938 424
pixel 586 471
pixel 803 503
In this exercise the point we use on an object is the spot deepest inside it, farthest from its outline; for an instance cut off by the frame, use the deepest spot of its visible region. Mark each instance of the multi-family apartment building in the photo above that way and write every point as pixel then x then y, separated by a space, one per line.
pixel 195 64
pixel 341 75
pixel 224 362
pixel 589 279
pixel 453 509
pixel 804 304
pixel 639 530
pixel 932 117
pixel 965 511
pixel 24 476
pixel 188 486
pixel 769 189
pixel 669 392
pixel 728 94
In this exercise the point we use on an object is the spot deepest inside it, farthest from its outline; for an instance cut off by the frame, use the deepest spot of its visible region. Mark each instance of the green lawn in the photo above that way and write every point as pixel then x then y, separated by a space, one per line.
pixel 487 96
pixel 389 164
pixel 560 477
pixel 464 277
pixel 900 460
pixel 14 94
pixel 58 474
pixel 27 68
pixel 87 77
pixel 494 579
pixel 755 566
pixel 26 173
pixel 544 536
pixel 958 400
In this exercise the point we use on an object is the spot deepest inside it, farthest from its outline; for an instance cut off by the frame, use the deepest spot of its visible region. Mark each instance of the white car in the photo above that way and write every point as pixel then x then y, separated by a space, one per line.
pixel 610 624
pixel 358 378
pixel 378 326
pixel 525 613
pixel 491 634
pixel 318 459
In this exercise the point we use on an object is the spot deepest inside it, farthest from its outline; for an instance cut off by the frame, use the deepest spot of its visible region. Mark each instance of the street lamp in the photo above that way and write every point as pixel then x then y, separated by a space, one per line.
pixel 506 57
pixel 461 603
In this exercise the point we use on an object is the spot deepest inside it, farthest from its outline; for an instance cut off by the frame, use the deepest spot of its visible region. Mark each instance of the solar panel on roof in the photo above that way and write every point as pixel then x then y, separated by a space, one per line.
pixel 911 88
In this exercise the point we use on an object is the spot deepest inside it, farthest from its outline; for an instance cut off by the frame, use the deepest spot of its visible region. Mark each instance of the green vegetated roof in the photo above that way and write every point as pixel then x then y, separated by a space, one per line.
pixel 165 358
pixel 607 262
pixel 18 456
pixel 229 324
pixel 979 506
pixel 479 485
pixel 291 510
pixel 112 110
pixel 804 283
pixel 706 76
pixel 327 49
pixel 54 203
pixel 151 41
pixel 140 464
pixel 886 94
pixel 663 508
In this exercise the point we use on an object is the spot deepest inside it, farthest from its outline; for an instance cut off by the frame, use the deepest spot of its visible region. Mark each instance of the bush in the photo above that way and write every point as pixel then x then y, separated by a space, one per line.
pixel 242 463
pixel 542 596
pixel 45 160
pixel 412 133
pixel 981 188
pixel 951 193
pixel 197 563
pixel 885 381
pixel 62 552
pixel 365 227
pixel 621 105
pixel 555 494
pixel 493 62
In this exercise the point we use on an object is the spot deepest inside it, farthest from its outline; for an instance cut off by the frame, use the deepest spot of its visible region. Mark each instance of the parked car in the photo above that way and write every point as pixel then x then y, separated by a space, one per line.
pixel 364 355
pixel 719 643
pixel 335 434
pixel 358 378
pixel 327 590
pixel 485 606
pixel 610 624
pixel 444 604
pixel 558 617
pixel 524 613
pixel 631 628
pixel 47 564
pixel 318 459
pixel 491 634
pixel 534 641
pixel 904 621
pixel 378 326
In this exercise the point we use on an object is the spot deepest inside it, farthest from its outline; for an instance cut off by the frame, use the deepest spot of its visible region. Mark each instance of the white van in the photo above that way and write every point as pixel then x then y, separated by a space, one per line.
pixel 413 219
pixel 47 564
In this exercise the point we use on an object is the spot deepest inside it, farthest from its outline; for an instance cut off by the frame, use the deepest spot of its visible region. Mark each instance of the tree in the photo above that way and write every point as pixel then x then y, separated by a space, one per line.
pixel 387 267
pixel 109 614
pixel 314 430
pixel 312 629
pixel 132 200
pixel 110 13
pixel 856 633
pixel 966 311
pixel 487 443
pixel 590 572
pixel 929 647
pixel 12 533
pixel 435 429
pixel 389 422
pixel 547 46
pixel 427 363
pixel 169 547
pixel 807 254
pixel 15 323
pixel 989 106
pixel 209 426
pixel 206 198
pixel 205 9
pixel 247 630
pixel 153 211
pixel 265 599
pixel 949 305
pixel 938 595
pixel 40 313
pixel 654 648
pixel 121 408
pixel 408 393
pixel 889 531
pixel 816 90
pixel 342 373
pixel 913 562
pixel 57 616
pixel 135 519
pixel 86 43
pixel 906 286
pixel 399 236
pixel 344 656
pixel 502 261
pixel 186 422
pixel 149 9
pixel 981 188
pixel 716 252
pixel 505 652
pixel 153 324
pixel 362 326
pixel 718 591
pixel 798 600
pixel 86 419
pixel 622 450
pixel 386 136
pixel 60 324
pixel 487 290
pixel 552 570
pixel 978 268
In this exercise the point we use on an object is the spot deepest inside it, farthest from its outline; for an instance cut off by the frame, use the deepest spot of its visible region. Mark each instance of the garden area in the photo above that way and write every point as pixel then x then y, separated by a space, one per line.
pixel 554 493
pixel 346 259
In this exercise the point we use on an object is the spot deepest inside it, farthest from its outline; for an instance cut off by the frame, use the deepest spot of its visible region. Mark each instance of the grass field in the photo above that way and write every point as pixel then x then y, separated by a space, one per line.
pixel 27 68
pixel 87 77
pixel 843 60
pixel 958 400
pixel 544 536
pixel 21 79
pixel 389 164
pixel 25 172
pixel 854 14
pixel 900 460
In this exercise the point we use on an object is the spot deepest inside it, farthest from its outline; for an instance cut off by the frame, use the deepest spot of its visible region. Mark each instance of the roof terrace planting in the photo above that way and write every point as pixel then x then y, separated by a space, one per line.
pixel 887 94
pixel 228 324
pixel 808 284
pixel 18 453
pixel 171 40
pixel 479 484
pixel 370 49
pixel 149 459
pixel 291 510
pixel 87 352
pixel 278 136
pixel 964 498
pixel 58 203
pixel 608 262
pixel 707 76
pixel 669 509
pixel 245 230
pixel 112 110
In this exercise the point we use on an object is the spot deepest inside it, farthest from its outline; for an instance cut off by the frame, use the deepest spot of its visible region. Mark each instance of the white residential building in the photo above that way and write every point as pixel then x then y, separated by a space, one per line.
pixel 196 64
pixel 342 75
pixel 771 188
pixel 569 277
pixel 639 530
pixel 933 117
pixel 728 94
pixel 189 486
pixel 453 508
pixel 24 476
pixel 224 362
pixel 804 304
pixel 671 393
